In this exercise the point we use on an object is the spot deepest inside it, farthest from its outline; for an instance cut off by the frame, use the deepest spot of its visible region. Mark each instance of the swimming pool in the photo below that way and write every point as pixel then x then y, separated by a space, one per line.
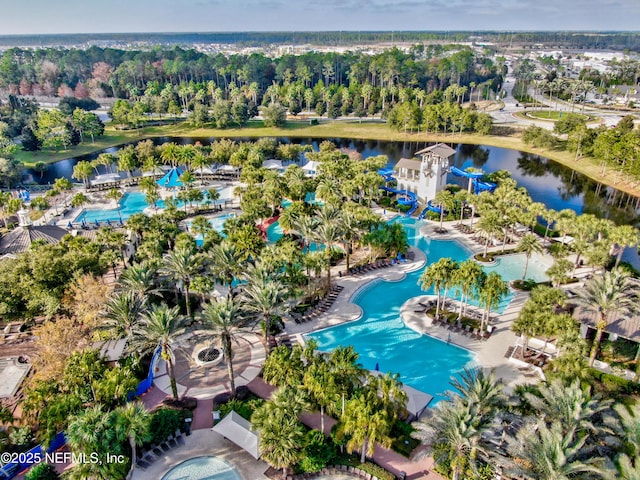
pixel 511 267
pixel 203 468
pixel 380 337
pixel 217 223
pixel 134 202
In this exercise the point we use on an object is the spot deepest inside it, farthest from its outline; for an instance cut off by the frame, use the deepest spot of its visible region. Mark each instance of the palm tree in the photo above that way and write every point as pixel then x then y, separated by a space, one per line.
pixel 264 297
pixel 607 296
pixel 529 245
pixel 347 371
pixel 160 328
pixel 549 453
pixel 122 312
pixel 623 236
pixel 182 265
pixel 570 406
pixel 480 391
pixel 225 321
pixel 489 225
pixel 223 263
pixel 132 422
pixel 327 233
pixel 320 383
pixel 82 171
pixel 469 276
pixel 115 195
pixel 363 426
pixel 444 199
pixel 437 276
pixel 139 279
pixel 453 429
pixel 281 434
pixel 491 292
pixel 351 229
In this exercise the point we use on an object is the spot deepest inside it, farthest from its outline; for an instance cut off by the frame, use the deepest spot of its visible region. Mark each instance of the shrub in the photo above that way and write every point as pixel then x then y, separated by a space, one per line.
pixel 376 471
pixel 42 471
pixel 244 408
pixel 611 384
pixel 165 421
pixel 318 452
pixel 403 443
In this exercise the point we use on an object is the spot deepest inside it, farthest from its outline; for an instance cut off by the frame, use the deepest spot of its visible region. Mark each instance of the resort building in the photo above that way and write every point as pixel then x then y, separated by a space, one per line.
pixel 427 176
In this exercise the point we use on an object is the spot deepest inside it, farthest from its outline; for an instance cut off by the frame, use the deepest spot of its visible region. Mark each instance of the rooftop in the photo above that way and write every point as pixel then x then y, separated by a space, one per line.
pixel 12 373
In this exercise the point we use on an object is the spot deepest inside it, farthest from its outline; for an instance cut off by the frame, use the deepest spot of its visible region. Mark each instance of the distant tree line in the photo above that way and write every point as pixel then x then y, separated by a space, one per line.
pixel 604 40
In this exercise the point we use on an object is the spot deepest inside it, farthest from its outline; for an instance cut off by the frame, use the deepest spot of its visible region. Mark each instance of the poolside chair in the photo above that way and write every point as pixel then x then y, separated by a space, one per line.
pixel 156 450
pixel 143 464
pixel 179 437
pixel 467 330
pixel 475 333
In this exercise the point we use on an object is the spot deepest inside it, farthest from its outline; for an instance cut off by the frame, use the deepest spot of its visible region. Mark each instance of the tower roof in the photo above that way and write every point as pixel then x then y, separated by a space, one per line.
pixel 439 149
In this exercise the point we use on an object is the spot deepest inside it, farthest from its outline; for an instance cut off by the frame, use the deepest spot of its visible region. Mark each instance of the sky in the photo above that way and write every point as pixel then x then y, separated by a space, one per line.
pixel 106 16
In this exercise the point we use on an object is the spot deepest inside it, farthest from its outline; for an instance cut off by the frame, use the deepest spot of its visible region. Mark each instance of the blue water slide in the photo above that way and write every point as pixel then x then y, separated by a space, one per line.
pixel 429 208
pixel 462 173
pixel 406 198
pixel 386 173
pixel 413 208
pixel 479 186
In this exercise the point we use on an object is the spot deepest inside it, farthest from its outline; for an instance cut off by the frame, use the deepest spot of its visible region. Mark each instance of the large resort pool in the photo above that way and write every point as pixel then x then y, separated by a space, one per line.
pixel 382 339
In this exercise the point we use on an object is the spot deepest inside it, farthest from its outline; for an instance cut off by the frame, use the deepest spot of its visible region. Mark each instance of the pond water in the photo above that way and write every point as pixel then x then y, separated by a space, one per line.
pixel 548 182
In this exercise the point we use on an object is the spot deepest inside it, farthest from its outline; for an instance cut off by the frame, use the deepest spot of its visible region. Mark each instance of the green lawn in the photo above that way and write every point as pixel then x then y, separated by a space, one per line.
pixel 553 115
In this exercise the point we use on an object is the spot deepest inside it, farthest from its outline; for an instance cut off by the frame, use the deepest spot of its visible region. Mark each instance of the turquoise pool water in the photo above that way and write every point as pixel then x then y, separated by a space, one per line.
pixel 380 337
pixel 511 267
pixel 203 468
pixel 217 223
pixel 132 203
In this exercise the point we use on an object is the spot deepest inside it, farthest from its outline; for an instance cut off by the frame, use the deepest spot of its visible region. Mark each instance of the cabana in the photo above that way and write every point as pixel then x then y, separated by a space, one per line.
pixel 273 165
pixel 171 179
pixel 311 168
pixel 235 428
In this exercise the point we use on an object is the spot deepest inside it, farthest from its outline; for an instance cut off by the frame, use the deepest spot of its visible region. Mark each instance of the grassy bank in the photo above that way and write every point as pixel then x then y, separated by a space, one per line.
pixel 362 131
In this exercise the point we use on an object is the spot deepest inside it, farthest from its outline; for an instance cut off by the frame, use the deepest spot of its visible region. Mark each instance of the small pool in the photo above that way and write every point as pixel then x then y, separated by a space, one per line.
pixel 511 267
pixel 203 468
pixel 275 233
pixel 217 223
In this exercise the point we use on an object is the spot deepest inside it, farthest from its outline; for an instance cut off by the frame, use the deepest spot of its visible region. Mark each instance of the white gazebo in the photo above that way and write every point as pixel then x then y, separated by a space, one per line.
pixel 235 428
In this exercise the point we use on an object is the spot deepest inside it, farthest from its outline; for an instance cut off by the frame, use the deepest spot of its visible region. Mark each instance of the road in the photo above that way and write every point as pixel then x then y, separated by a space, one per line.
pixel 506 115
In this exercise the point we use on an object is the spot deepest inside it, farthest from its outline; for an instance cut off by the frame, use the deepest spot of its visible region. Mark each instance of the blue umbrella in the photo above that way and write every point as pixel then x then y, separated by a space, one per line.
pixel 84 224
pixel 96 222
pixel 108 222
pixel 69 225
